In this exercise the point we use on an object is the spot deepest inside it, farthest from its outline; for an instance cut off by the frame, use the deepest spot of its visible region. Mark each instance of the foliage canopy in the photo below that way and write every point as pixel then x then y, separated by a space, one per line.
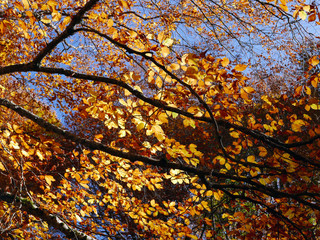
pixel 154 119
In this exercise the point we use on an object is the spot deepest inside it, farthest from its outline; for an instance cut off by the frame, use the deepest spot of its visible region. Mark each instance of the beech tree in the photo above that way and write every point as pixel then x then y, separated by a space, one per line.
pixel 184 119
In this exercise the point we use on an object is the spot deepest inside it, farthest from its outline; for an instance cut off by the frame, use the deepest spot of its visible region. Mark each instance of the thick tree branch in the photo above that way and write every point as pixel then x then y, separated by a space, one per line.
pixel 98 146
pixel 52 220
pixel 66 33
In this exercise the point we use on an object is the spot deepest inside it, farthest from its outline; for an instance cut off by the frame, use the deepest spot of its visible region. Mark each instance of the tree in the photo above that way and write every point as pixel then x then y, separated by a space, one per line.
pixel 147 120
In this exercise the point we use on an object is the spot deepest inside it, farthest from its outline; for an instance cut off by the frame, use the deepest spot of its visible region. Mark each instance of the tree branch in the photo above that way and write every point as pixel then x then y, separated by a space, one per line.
pixel 52 220
pixel 66 33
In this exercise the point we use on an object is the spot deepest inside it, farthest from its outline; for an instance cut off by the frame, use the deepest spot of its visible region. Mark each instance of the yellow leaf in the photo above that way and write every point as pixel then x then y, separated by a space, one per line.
pixel 122 133
pixel 194 161
pixel 243 94
pixel 228 166
pixel 298 90
pixel 56 16
pixel 49 179
pixel 165 51
pixel 234 134
pixel 307 90
pixel 39 154
pixel 209 193
pixel 303 15
pixel 249 89
pixel 218 195
pixel 168 42
pixel 297 124
pixel 315 106
pixel 193 147
pixel 25 4
pixel 284 7
pixel 188 122
pixel 251 159
pixel 158 132
pixel 163 117
pixel 221 160
pixel 122 102
pixel 295 13
pixel 161 37
pixel 24 153
pixel 110 22
pixel 45 20
pixel 98 137
pixel 306 8
pixel 314 61
pixel 240 67
pixel 225 62
pixel 140 126
pixel 78 218
pixel 175 66
pixel 159 82
pixel 314 82
pixel 2 168
pixel 14 145
pixel 66 21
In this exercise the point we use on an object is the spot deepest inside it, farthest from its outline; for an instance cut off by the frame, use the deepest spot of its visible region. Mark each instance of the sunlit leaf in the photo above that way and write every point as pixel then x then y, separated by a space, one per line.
pixel 303 15
pixel 262 151
pixel 314 61
pixel 240 67
pixel 225 62
pixel 49 179
pixel 297 124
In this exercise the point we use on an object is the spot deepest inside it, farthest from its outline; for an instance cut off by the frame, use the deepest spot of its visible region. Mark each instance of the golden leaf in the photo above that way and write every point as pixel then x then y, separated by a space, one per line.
pixel 168 42
pixel 225 62
pixel 297 124
pixel 165 51
pixel 218 195
pixel 2 168
pixel 49 179
pixel 262 151
pixel 251 159
pixel 303 15
pixel 314 61
pixel 249 89
pixel 240 67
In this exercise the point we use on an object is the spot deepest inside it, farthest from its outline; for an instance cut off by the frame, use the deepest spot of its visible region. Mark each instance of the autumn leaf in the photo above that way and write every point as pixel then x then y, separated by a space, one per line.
pixel 165 51
pixel 225 62
pixel 314 61
pixel 49 179
pixel 262 151
pixel 2 168
pixel 249 89
pixel 240 67
pixel 303 15
pixel 297 124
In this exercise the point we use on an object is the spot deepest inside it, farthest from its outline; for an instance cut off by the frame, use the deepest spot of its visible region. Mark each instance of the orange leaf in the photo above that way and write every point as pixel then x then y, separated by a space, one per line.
pixel 240 67
pixel 249 89
pixel 314 61
pixel 263 152
pixel 225 62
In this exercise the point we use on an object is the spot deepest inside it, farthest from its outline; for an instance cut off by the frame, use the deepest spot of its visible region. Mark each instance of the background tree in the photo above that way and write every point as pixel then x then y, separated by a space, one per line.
pixel 170 120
